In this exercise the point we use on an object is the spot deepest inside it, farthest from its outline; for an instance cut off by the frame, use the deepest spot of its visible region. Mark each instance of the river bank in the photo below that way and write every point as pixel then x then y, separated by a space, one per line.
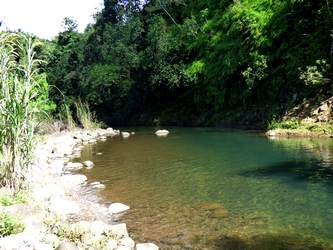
pixel 58 217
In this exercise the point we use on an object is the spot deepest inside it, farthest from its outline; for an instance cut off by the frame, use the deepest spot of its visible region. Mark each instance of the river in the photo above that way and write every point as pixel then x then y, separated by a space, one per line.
pixel 213 188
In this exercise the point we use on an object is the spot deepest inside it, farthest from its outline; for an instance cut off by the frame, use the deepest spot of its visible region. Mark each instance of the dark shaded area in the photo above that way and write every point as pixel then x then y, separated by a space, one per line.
pixel 305 170
pixel 268 241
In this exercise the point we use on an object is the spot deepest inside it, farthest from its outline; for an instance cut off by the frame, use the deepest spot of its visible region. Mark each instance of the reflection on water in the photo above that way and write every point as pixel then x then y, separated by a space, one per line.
pixel 207 188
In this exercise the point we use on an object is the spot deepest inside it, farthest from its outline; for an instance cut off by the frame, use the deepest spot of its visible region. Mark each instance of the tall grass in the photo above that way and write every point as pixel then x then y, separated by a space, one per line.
pixel 18 106
pixel 86 117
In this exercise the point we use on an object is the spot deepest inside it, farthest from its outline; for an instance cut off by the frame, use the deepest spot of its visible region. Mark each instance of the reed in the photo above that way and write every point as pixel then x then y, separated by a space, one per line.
pixel 86 117
pixel 18 106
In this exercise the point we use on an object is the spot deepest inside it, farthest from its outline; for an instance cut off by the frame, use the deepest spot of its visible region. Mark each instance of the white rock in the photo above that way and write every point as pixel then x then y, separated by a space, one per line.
pixel 76 179
pixel 63 206
pixel 51 239
pixel 13 241
pixel 45 193
pixel 162 132
pixel 97 185
pixel 97 227
pixel 112 244
pixel 94 183
pixel 81 226
pixel 115 208
pixel 110 131
pixel 86 138
pixel 146 246
pixel 127 242
pixel 119 229
pixel 271 133
pixel 26 212
pixel 67 246
pixel 124 248
pixel 43 246
pixel 88 163
pixel 76 165
pixel 56 164
pixel 125 134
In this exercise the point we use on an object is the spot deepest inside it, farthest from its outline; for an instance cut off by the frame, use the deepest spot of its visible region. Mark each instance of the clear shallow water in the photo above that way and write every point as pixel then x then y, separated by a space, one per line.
pixel 209 188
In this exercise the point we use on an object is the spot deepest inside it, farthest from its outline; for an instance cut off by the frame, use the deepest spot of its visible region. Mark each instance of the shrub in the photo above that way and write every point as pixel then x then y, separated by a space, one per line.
pixel 9 226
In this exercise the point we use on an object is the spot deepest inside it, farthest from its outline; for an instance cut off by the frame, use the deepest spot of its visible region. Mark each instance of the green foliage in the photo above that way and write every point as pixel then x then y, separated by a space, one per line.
pixel 9 226
pixel 70 234
pixel 77 235
pixel 283 125
pixel 222 55
pixel 316 74
pixel 18 197
pixel 257 71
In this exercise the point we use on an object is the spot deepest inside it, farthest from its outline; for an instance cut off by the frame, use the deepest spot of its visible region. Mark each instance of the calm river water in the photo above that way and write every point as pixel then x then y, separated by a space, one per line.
pixel 210 188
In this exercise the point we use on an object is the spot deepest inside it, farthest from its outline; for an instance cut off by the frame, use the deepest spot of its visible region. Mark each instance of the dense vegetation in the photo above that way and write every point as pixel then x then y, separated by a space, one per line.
pixel 195 61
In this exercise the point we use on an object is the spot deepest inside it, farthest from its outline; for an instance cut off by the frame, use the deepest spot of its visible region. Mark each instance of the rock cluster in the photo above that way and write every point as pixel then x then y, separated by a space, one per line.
pixel 59 217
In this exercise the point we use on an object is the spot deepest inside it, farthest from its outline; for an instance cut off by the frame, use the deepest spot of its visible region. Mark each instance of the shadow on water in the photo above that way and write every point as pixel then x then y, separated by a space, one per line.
pixel 306 171
pixel 267 241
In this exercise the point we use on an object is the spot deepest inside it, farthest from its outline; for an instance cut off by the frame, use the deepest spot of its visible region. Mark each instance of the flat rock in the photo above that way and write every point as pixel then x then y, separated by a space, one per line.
pixel 115 208
pixel 14 241
pixel 46 192
pixel 76 179
pixel 27 212
pixel 56 164
pixel 63 206
pixel 119 230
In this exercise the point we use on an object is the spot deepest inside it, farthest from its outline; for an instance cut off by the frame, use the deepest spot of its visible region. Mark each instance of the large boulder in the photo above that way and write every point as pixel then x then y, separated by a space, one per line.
pixel 26 212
